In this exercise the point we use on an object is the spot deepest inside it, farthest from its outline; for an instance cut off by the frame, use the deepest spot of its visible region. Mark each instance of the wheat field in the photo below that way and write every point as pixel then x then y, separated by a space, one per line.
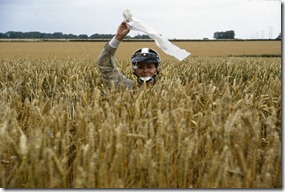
pixel 213 122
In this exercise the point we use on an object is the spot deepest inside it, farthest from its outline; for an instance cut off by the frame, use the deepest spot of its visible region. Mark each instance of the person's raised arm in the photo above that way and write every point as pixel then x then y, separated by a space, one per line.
pixel 122 31
pixel 106 61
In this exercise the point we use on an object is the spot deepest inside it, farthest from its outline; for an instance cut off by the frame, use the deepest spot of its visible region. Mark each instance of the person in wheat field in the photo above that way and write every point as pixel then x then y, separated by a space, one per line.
pixel 145 64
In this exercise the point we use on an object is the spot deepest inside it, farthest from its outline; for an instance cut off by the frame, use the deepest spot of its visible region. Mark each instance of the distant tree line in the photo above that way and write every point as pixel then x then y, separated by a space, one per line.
pixel 224 35
pixel 231 35
pixel 59 35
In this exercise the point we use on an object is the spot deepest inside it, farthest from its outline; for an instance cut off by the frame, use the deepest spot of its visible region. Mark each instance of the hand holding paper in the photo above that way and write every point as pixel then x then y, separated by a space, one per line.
pixel 163 43
pixel 122 31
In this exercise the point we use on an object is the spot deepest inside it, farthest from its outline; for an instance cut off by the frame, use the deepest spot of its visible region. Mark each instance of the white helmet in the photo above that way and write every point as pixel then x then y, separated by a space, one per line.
pixel 145 55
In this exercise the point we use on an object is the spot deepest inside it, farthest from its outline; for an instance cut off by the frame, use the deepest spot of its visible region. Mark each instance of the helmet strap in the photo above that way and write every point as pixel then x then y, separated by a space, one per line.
pixel 145 79
pixel 142 80
pixel 135 66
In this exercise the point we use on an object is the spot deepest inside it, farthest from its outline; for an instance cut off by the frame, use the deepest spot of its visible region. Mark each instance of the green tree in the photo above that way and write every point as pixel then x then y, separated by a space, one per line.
pixel 224 35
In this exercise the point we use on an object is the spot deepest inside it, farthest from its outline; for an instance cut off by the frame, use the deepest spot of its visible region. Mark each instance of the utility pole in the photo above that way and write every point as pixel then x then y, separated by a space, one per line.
pixel 257 35
pixel 262 35
pixel 270 32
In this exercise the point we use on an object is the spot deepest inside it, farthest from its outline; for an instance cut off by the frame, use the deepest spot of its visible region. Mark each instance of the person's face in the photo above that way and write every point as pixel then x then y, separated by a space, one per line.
pixel 145 70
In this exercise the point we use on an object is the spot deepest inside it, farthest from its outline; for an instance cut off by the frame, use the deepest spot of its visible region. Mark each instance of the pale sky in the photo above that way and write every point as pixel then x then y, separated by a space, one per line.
pixel 180 19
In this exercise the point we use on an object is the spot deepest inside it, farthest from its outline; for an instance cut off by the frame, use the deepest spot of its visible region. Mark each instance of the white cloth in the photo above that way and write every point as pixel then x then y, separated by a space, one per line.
pixel 163 43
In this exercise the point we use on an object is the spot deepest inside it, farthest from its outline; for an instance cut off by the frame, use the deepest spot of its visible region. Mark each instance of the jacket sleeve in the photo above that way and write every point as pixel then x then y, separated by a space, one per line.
pixel 110 73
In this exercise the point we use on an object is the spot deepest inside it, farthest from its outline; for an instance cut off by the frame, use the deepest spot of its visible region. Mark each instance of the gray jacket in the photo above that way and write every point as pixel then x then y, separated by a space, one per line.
pixel 110 73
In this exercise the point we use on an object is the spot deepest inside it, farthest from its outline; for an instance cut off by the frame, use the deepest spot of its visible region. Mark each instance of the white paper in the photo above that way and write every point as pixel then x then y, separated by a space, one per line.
pixel 163 43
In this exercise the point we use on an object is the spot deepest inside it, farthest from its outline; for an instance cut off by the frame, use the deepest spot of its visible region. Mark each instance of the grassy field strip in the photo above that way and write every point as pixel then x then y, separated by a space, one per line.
pixel 37 50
